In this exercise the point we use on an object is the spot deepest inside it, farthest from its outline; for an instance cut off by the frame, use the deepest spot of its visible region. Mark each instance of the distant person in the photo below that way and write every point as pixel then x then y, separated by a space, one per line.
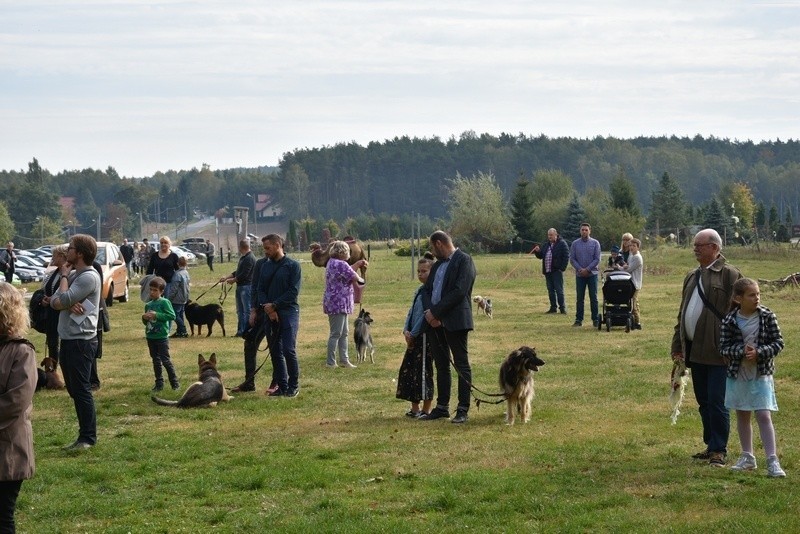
pixel 448 310
pixel 750 338
pixel 555 259
pixel 615 260
pixel 337 300
pixel 18 382
pixel 706 294
pixel 8 262
pixel 143 258
pixel 584 255
pixel 78 298
pixel 179 296
pixel 243 277
pixel 210 251
pixel 625 250
pixel 157 316
pixel 635 266
pixel 127 252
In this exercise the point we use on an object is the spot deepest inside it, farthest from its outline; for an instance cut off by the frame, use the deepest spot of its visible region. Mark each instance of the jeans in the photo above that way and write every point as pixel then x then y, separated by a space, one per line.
pixel 76 357
pixel 179 322
pixel 337 338
pixel 709 390
pixel 9 491
pixel 445 343
pixel 159 352
pixel 555 289
pixel 282 339
pixel 581 283
pixel 242 307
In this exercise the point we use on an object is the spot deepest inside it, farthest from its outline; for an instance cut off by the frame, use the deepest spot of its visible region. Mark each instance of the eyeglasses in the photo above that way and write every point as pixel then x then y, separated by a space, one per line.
pixel 698 245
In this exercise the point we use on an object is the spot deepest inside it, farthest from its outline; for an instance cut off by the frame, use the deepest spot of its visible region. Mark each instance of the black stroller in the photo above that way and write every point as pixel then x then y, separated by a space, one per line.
pixel 618 292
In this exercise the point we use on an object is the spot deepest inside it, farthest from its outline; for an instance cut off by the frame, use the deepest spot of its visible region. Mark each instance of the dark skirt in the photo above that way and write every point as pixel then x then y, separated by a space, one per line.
pixel 415 381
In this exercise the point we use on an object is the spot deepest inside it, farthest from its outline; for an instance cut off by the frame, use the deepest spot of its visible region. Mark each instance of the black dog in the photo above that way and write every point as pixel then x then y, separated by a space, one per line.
pixel 363 337
pixel 204 315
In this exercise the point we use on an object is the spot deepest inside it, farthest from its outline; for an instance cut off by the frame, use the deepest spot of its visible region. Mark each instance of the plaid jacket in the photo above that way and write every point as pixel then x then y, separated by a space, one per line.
pixel 770 342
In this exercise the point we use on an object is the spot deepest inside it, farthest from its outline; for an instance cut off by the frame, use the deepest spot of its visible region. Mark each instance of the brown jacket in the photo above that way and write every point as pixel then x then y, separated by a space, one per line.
pixel 17 383
pixel 718 282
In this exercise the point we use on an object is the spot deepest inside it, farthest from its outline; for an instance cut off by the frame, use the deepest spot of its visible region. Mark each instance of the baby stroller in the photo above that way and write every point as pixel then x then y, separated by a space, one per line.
pixel 617 310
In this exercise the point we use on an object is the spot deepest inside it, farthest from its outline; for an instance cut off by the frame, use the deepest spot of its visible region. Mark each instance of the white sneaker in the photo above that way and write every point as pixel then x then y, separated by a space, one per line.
pixel 746 462
pixel 774 468
pixel 331 365
pixel 347 365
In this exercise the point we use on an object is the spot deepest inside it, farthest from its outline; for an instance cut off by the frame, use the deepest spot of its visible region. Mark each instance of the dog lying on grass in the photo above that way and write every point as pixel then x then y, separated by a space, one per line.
pixel 206 392
pixel 363 337
pixel 48 375
pixel 483 304
pixel 204 315
pixel 516 381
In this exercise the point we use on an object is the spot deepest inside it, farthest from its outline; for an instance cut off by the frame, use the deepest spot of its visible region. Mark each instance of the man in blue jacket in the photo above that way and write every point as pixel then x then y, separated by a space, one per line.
pixel 555 258
pixel 447 300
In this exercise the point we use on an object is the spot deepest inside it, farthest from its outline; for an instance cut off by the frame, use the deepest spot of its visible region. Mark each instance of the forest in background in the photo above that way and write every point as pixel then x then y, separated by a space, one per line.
pixel 375 191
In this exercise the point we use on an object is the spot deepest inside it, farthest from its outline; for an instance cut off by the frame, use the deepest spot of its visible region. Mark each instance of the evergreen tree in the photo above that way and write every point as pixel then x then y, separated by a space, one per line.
pixel 522 211
pixel 667 211
pixel 714 218
pixel 623 194
pixel 760 216
pixel 293 241
pixel 774 220
pixel 575 216
pixel 787 219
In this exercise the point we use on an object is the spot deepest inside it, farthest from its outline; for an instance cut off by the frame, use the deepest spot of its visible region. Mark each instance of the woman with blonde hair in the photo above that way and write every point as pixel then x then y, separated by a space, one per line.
pixel 624 249
pixel 17 383
pixel 337 302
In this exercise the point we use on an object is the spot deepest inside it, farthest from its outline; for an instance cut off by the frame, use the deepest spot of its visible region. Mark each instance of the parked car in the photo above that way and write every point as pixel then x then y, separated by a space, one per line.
pixel 191 257
pixel 115 273
pixel 195 244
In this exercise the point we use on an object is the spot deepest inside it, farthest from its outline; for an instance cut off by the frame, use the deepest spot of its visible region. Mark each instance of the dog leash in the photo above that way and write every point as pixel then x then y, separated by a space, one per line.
pixel 472 387
pixel 206 291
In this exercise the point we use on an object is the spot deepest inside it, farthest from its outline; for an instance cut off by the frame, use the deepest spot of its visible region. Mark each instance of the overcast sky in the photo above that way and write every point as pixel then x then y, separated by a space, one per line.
pixel 148 86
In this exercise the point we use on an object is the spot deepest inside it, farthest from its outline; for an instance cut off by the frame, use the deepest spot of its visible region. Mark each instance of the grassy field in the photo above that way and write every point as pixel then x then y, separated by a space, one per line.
pixel 599 455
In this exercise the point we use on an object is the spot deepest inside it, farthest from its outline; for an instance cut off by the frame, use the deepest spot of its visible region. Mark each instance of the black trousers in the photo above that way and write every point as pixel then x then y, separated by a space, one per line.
pixel 9 490
pixel 455 343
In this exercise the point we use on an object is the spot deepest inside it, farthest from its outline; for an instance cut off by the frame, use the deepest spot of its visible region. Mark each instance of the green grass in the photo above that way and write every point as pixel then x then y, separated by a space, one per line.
pixel 599 455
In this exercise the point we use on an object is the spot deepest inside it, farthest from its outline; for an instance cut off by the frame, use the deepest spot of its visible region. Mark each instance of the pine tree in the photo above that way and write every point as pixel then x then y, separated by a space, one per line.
pixel 522 211
pixel 667 211
pixel 774 220
pixel 575 216
pixel 623 194
pixel 714 218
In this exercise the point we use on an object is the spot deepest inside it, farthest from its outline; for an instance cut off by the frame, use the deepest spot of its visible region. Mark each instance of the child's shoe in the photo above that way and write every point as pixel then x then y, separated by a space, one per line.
pixel 158 386
pixel 746 462
pixel 175 384
pixel 774 468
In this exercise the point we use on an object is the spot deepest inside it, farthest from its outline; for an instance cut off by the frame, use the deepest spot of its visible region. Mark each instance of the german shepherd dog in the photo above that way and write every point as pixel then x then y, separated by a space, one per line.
pixel 205 393
pixel 49 377
pixel 363 337
pixel 204 315
pixel 516 381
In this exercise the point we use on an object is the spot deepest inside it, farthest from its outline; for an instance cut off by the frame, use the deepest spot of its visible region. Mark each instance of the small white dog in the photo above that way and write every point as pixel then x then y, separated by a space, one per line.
pixel 483 304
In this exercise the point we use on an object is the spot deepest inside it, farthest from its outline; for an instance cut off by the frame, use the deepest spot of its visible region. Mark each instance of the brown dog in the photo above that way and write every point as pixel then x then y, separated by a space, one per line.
pixel 516 380
pixel 206 392
pixel 52 380
pixel 204 315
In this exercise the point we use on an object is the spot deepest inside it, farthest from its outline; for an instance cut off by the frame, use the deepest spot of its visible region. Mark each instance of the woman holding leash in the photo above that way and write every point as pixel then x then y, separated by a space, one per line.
pixel 750 339
pixel 17 383
pixel 337 302
pixel 415 381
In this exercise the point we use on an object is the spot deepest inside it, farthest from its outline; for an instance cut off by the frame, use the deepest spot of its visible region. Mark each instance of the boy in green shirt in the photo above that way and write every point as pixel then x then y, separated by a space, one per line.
pixel 158 314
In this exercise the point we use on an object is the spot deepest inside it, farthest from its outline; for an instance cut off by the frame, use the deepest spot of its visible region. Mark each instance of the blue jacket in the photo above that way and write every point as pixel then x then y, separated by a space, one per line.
pixel 560 254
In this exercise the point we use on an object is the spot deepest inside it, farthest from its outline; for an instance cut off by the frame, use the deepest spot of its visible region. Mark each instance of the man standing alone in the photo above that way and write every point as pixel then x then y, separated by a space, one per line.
pixel 447 300
pixel 584 255
pixel 243 276
pixel 555 258
pixel 78 299
pixel 210 251
pixel 127 254
pixel 8 260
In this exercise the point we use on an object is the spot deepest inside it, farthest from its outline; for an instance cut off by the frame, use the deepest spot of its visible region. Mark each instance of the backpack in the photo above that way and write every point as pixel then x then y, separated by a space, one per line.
pixel 39 314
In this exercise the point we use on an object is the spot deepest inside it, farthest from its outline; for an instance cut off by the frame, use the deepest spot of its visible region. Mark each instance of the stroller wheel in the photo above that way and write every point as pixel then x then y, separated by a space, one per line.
pixel 608 324
pixel 628 325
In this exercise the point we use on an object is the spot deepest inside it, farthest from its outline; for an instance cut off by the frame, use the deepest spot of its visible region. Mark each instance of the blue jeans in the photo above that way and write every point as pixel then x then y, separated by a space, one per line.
pixel 581 284
pixel 282 340
pixel 179 322
pixel 708 382
pixel 555 289
pixel 76 357
pixel 242 307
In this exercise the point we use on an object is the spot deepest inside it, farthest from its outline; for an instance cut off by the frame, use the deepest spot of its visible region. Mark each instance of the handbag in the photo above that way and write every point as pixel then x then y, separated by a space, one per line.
pixel 105 320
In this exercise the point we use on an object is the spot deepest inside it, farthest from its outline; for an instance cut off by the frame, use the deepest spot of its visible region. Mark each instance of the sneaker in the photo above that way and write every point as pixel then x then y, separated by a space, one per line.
pixel 331 365
pixel 702 455
pixel 347 365
pixel 746 462
pixel 577 324
pixel 157 387
pixel 460 418
pixel 717 459
pixel 774 468
pixel 80 446
pixel 243 387
pixel 551 310
pixel 175 385
pixel 412 413
pixel 436 413
pixel 292 393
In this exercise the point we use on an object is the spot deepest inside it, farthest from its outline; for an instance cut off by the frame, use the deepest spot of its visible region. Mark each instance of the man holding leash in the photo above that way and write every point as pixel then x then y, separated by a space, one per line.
pixel 704 301
pixel 243 276
pixel 584 255
pixel 447 300
pixel 78 299
pixel 278 287
pixel 555 258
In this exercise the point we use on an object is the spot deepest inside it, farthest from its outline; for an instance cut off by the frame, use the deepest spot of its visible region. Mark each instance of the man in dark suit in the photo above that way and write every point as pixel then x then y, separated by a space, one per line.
pixel 448 310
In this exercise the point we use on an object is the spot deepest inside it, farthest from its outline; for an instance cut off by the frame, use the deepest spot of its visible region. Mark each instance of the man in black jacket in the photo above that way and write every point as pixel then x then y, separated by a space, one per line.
pixel 447 300
pixel 555 258
pixel 127 254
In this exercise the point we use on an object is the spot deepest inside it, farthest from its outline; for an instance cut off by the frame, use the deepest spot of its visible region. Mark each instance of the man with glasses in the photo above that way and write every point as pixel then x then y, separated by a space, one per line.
pixel 705 299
